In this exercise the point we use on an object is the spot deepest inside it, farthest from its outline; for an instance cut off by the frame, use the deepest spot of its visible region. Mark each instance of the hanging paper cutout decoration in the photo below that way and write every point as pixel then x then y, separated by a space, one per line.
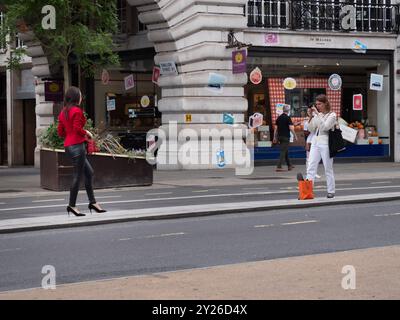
pixel 256 76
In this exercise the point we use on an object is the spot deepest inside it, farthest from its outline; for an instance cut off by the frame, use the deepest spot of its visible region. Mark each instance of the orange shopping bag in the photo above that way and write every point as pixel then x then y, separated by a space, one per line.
pixel 306 190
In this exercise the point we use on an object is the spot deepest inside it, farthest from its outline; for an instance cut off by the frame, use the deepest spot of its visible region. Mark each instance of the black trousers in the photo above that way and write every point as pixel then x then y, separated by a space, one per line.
pixel 284 156
pixel 77 153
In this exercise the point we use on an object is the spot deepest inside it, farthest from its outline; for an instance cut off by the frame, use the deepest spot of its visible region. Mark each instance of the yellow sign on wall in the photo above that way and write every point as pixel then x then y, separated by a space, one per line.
pixel 188 118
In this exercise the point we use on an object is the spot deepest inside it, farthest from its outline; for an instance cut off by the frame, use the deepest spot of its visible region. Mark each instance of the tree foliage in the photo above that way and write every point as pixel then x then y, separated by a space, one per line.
pixel 84 30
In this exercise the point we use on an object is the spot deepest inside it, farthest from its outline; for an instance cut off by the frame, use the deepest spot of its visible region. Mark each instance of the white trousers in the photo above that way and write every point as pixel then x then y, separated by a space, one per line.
pixel 318 152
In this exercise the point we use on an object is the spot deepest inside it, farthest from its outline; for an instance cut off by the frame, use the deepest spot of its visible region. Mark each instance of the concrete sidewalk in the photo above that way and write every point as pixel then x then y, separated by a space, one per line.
pixel 313 277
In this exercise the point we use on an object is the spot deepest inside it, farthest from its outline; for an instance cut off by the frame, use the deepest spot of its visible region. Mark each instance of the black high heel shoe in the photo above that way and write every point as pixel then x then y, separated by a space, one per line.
pixel 92 206
pixel 69 209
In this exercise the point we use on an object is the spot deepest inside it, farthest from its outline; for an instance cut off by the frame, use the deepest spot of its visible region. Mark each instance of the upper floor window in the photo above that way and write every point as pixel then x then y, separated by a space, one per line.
pixel 122 15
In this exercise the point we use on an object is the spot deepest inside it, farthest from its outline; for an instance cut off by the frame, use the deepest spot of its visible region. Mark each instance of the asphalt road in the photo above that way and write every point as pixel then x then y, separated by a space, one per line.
pixel 145 247
pixel 23 206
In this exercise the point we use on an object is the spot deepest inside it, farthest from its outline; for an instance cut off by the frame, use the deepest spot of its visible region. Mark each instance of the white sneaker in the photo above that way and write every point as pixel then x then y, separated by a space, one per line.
pixel 318 176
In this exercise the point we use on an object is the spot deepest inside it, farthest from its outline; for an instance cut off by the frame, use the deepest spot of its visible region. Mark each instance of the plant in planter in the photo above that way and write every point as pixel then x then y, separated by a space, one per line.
pixel 115 166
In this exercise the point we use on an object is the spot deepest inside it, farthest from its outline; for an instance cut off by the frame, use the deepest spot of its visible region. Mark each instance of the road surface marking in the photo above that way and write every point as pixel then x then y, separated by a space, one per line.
pixel 201 191
pixel 106 197
pixel 264 226
pixel 157 194
pixel 126 239
pixel 10 250
pixel 49 200
pixel 255 188
pixel 163 235
pixel 2 203
pixel 195 197
pixel 344 184
pixel 287 188
pixel 387 215
pixel 298 222
pixel 382 182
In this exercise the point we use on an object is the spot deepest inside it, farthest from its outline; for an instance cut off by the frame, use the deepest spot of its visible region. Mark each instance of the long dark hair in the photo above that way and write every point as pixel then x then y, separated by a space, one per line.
pixel 72 98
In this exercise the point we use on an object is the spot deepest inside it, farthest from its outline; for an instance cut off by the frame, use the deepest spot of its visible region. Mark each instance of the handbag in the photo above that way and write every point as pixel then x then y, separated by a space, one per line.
pixel 91 146
pixel 336 141
pixel 306 191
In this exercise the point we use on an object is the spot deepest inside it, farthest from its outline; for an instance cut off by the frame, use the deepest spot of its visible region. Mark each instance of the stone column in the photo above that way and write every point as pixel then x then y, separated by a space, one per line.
pixel 194 34
pixel 41 70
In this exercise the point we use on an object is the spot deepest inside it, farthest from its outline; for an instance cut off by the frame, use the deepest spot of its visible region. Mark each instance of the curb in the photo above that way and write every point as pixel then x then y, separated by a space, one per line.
pixel 42 223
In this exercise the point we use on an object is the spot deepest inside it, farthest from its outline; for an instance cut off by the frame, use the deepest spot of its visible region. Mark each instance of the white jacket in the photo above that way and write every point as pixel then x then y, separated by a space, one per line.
pixel 320 126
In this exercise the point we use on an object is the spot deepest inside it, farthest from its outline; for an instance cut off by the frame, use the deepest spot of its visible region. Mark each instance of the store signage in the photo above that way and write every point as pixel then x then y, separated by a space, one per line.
pixel 216 82
pixel 271 39
pixel 358 102
pixel 289 83
pixel 156 75
pixel 129 82
pixel 256 120
pixel 105 77
pixel 54 91
pixel 239 61
pixel 359 47
pixel 168 68
pixel 256 76
pixel 228 118
pixel 145 101
pixel 376 82
pixel 335 82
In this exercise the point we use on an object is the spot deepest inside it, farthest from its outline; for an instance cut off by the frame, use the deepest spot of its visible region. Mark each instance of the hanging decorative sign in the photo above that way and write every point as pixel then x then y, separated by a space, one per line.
pixel 228 118
pixel 54 91
pixel 376 82
pixel 359 47
pixel 289 83
pixel 129 82
pixel 145 101
pixel 279 108
pixel 239 61
pixel 105 77
pixel 335 82
pixel 271 39
pixel 168 68
pixel 256 120
pixel 358 102
pixel 216 82
pixel 256 76
pixel 156 75
pixel 220 158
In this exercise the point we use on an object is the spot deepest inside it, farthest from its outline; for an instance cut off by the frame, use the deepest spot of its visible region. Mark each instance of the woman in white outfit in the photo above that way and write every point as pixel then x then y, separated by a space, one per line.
pixel 323 120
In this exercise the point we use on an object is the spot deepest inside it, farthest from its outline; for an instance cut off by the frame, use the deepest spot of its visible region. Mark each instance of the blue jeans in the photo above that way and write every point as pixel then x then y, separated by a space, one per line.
pixel 77 153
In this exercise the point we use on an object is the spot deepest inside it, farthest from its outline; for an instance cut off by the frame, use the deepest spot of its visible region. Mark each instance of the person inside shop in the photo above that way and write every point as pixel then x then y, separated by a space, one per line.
pixel 323 120
pixel 284 126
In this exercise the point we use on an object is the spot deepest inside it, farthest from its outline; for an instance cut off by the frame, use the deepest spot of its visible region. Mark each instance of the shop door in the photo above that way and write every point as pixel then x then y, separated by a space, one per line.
pixel 29 132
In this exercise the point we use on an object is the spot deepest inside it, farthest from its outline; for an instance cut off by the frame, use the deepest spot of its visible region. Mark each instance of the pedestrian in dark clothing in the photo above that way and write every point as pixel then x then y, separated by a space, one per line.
pixel 284 126
pixel 71 127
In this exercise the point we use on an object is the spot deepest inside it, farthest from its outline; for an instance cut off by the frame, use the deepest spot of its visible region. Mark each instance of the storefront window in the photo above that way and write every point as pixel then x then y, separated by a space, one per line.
pixel 362 102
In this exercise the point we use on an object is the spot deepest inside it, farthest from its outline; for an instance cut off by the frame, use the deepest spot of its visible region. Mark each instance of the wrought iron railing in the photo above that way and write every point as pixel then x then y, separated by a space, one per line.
pixel 324 15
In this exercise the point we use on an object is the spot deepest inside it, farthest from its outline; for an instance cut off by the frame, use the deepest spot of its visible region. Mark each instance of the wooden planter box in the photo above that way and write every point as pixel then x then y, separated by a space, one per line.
pixel 109 172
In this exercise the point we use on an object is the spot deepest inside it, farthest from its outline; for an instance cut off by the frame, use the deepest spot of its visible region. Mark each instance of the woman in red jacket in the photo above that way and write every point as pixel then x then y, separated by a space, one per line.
pixel 70 127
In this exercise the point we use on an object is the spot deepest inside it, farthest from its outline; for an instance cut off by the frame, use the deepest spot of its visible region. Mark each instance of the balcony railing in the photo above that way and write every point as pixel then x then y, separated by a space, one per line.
pixel 324 15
